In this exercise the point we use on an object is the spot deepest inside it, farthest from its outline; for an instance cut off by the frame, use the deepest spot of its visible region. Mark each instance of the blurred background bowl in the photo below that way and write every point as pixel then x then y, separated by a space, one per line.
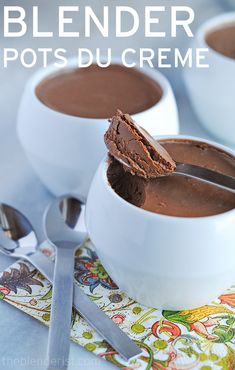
pixel 65 150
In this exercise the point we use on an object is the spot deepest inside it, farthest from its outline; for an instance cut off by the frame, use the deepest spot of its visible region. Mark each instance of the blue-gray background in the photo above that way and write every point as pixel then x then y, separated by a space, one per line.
pixel 22 338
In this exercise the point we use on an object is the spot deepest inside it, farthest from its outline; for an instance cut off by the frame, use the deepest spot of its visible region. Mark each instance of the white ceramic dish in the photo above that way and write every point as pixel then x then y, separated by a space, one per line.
pixel 65 150
pixel 161 261
pixel 212 90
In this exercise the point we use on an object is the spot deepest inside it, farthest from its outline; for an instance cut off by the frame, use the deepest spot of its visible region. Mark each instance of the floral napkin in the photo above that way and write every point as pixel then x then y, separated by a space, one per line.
pixel 202 338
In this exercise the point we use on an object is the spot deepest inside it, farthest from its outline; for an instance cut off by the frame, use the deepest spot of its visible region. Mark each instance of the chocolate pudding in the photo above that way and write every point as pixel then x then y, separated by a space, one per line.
pixel 222 40
pixel 96 92
pixel 178 195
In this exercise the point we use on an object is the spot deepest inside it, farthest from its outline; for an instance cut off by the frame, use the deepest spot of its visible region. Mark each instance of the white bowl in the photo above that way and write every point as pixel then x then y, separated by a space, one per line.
pixel 66 150
pixel 167 262
pixel 212 90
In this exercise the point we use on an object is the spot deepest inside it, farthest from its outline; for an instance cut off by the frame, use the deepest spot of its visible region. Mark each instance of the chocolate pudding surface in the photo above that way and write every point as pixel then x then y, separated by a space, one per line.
pixel 178 195
pixel 222 40
pixel 95 92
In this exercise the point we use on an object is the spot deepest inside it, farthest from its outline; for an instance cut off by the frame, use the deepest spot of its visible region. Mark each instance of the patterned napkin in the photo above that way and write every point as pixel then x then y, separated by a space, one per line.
pixel 203 338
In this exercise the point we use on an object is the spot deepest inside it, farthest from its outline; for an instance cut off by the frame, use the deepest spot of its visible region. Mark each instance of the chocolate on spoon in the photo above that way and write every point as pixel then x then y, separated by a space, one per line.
pixel 131 145
pixel 143 156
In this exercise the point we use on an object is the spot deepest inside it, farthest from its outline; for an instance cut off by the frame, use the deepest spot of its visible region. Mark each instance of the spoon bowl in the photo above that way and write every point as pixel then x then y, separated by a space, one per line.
pixel 17 233
pixel 64 220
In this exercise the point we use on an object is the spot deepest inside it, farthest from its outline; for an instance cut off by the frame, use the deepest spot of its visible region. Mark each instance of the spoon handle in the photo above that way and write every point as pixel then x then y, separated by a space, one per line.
pixel 61 309
pixel 42 264
pixel 206 175
pixel 91 312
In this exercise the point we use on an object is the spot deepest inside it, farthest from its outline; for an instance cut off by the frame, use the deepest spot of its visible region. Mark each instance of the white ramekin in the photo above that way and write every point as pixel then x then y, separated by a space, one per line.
pixel 212 90
pixel 161 261
pixel 66 150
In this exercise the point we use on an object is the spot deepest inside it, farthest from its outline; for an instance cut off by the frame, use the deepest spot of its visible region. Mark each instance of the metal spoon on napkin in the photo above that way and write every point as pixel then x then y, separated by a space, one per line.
pixel 19 240
pixel 64 228
pixel 63 231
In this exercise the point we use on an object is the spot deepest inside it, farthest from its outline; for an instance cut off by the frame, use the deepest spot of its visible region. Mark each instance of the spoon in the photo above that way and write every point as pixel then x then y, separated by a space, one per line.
pixel 62 229
pixel 19 240
pixel 139 152
pixel 204 174
pixel 200 173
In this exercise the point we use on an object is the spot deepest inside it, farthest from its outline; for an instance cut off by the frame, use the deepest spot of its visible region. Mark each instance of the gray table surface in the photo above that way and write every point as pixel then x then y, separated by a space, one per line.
pixel 23 340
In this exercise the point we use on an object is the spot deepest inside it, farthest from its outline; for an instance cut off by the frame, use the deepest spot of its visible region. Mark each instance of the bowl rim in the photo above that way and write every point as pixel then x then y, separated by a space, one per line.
pixel 51 69
pixel 213 24
pixel 158 216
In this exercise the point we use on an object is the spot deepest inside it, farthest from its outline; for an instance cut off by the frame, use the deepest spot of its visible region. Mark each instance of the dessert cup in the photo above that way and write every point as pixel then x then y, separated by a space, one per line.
pixel 166 262
pixel 65 150
pixel 212 90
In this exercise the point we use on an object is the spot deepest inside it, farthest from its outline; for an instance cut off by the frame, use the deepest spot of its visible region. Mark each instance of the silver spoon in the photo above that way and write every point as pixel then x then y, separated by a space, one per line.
pixel 206 175
pixel 200 173
pixel 154 154
pixel 62 229
pixel 19 240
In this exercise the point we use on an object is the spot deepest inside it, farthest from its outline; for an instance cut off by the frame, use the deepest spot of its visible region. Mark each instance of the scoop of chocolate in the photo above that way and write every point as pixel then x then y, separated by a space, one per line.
pixel 134 147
